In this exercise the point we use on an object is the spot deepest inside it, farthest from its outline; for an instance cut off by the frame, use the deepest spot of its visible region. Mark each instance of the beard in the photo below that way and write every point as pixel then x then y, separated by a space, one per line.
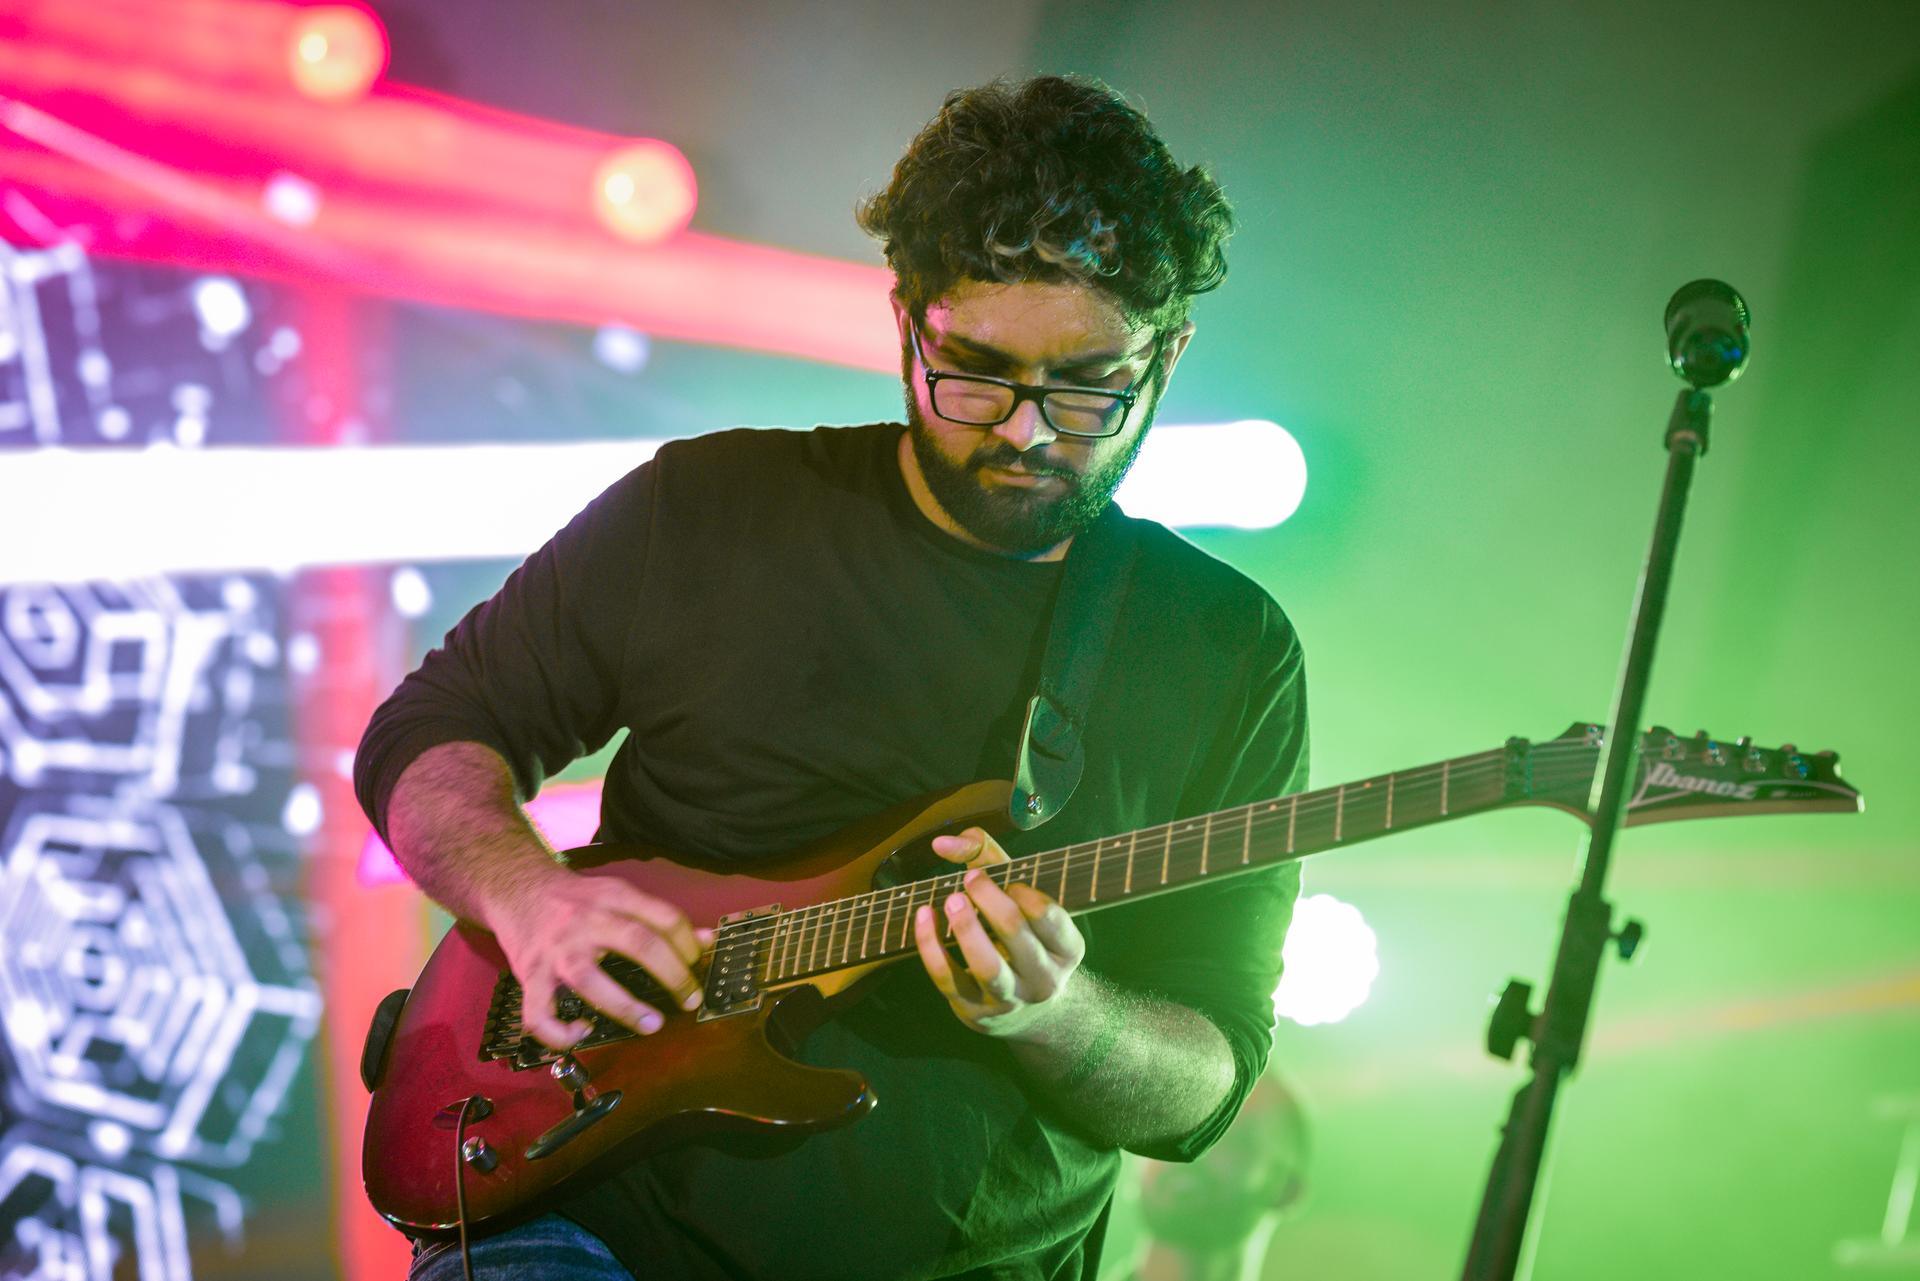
pixel 1015 520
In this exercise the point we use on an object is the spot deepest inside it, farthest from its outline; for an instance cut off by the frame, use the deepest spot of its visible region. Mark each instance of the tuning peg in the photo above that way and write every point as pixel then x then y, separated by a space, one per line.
pixel 1627 941
pixel 1701 734
pixel 1743 742
pixel 1828 755
pixel 1788 748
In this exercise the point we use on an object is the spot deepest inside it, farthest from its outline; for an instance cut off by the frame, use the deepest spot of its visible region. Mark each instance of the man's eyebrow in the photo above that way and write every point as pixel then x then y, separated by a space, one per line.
pixel 987 351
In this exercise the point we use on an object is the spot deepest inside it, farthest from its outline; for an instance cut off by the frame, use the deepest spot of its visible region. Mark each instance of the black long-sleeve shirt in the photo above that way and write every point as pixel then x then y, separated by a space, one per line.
pixel 793 646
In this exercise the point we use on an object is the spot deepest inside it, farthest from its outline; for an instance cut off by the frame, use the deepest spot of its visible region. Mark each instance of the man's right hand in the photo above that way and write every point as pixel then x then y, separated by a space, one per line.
pixel 557 930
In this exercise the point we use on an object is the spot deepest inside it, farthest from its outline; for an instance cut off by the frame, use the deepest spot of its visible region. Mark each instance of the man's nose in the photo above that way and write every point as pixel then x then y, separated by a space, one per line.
pixel 1026 429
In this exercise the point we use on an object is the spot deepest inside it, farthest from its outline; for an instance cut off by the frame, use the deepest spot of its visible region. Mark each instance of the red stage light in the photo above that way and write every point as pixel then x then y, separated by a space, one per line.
pixel 259 44
pixel 693 288
pixel 335 52
pixel 645 191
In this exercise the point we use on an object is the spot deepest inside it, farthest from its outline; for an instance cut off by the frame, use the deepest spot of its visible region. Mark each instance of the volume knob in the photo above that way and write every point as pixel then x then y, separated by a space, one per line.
pixel 567 1070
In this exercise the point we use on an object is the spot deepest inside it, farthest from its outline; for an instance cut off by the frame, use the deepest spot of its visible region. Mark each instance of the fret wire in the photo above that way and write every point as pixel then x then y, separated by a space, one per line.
pixel 1206 839
pixel 1093 887
pixel 809 922
pixel 1007 871
pixel 1293 807
pixel 1390 778
pixel 806 927
pixel 1339 811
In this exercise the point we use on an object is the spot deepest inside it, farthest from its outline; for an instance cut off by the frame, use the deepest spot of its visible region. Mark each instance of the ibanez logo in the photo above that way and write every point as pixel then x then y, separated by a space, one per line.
pixel 1661 774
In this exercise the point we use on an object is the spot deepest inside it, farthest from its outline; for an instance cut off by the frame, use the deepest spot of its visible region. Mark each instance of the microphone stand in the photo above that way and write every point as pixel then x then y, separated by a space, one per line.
pixel 1559 1029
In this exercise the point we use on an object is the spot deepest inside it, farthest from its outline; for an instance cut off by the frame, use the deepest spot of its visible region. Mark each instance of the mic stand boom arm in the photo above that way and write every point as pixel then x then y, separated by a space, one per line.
pixel 1559 1029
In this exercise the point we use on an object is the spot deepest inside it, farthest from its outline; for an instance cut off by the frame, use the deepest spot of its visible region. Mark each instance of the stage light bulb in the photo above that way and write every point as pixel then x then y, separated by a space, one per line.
pixel 336 52
pixel 221 306
pixel 1331 960
pixel 645 191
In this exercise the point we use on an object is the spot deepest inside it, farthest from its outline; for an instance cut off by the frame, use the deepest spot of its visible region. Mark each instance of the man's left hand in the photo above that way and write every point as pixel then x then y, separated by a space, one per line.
pixel 1020 948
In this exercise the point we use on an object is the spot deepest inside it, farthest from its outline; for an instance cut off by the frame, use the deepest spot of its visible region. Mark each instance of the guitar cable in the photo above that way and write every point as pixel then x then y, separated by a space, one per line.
pixel 460 1185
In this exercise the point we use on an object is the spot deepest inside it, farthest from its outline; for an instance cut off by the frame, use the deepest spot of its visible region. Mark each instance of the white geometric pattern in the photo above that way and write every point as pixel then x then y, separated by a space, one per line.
pixel 69 1219
pixel 126 995
pixel 143 689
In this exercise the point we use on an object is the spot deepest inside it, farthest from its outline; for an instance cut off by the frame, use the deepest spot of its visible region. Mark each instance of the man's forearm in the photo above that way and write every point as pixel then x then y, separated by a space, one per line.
pixel 457 829
pixel 1128 1070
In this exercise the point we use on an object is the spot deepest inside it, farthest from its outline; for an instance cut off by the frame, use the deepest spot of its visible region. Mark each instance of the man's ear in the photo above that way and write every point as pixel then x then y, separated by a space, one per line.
pixel 899 315
pixel 1176 348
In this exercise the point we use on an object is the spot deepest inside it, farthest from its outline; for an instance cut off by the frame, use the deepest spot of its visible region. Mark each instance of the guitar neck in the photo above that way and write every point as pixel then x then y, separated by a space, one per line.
pixel 878 925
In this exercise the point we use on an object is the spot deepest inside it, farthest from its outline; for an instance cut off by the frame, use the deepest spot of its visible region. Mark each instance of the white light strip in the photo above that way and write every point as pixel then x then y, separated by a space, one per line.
pixel 1244 475
pixel 77 515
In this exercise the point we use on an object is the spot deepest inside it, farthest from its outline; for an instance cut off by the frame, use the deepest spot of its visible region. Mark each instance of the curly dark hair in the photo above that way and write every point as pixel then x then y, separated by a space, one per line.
pixel 1053 179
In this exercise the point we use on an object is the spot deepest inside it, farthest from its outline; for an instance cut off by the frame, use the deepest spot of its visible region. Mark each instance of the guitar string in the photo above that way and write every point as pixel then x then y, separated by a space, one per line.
pixel 1178 843
pixel 801 938
pixel 807 922
pixel 804 926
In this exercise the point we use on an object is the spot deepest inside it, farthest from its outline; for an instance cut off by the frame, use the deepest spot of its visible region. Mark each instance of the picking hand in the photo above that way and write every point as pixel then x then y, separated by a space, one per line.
pixel 1019 946
pixel 558 934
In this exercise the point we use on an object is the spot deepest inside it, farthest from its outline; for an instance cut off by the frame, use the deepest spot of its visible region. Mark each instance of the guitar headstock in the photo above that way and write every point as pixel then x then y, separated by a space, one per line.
pixel 1675 777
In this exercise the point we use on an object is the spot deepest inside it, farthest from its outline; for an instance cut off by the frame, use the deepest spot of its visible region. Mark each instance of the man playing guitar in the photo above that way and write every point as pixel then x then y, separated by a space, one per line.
pixel 801 628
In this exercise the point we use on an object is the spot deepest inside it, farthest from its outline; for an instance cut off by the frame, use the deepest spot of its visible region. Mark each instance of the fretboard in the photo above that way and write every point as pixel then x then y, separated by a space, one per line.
pixel 878 925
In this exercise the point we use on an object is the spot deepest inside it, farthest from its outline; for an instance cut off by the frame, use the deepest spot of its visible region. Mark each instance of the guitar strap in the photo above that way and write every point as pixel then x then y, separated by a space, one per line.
pixel 1093 586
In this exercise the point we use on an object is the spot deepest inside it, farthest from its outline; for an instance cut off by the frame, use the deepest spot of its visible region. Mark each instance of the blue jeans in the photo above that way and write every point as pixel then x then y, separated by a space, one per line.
pixel 542 1248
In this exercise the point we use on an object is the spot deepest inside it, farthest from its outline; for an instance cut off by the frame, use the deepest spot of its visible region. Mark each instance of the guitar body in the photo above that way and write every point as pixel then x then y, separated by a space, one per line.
pixel 698 1074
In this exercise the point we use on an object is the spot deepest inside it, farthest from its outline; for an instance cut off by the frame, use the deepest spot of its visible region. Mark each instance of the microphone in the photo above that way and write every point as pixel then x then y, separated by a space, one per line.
pixel 1707 333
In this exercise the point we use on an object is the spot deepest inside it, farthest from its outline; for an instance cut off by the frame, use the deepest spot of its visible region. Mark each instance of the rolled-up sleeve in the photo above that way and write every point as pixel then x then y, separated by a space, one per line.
pixel 534 672
pixel 1216 949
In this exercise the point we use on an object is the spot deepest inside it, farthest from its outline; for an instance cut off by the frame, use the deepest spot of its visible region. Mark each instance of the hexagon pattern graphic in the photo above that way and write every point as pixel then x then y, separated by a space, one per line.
pixel 156 1001
pixel 134 1011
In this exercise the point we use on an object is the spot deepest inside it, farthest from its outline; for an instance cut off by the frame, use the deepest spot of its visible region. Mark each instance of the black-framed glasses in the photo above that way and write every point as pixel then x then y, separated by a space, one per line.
pixel 980 400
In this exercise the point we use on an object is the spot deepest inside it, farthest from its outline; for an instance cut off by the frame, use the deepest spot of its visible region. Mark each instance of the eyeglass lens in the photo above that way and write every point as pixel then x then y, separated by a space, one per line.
pixel 1076 412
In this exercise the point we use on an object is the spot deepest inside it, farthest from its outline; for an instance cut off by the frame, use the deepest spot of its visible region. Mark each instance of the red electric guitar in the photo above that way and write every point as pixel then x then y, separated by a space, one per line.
pixel 473 1119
